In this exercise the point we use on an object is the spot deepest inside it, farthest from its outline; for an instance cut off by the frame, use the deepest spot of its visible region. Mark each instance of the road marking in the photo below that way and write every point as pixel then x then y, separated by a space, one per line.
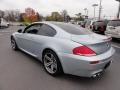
pixel 115 46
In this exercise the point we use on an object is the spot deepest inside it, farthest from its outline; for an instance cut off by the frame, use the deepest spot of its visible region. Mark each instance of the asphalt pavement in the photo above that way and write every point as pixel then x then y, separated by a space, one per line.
pixel 19 71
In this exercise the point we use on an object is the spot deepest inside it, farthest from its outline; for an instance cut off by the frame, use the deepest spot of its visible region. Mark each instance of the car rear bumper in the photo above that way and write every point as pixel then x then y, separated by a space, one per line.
pixel 80 65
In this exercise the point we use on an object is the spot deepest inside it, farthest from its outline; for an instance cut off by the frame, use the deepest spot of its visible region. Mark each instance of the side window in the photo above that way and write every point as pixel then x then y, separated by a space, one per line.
pixel 46 30
pixel 33 29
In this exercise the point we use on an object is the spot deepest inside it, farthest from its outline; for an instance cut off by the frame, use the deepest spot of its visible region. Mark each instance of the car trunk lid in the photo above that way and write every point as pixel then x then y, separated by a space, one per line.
pixel 97 43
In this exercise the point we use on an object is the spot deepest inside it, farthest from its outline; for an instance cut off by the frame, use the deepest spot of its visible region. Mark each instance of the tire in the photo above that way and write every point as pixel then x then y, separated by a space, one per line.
pixel 13 44
pixel 51 63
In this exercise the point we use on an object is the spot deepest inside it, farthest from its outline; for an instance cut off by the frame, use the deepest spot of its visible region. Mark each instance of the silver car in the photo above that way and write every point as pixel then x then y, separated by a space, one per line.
pixel 65 48
pixel 113 29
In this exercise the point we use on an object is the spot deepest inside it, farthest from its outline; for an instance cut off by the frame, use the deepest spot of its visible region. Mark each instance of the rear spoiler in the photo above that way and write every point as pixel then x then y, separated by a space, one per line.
pixel 108 39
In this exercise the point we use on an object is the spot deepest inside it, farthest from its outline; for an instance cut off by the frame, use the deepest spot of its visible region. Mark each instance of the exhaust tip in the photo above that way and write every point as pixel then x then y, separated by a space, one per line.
pixel 97 75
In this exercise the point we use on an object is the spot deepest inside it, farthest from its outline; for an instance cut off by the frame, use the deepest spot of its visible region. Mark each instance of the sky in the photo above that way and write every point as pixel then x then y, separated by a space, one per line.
pixel 45 7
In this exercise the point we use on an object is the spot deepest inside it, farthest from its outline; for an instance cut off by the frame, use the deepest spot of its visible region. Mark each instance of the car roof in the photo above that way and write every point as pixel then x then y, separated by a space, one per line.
pixel 60 31
pixel 66 29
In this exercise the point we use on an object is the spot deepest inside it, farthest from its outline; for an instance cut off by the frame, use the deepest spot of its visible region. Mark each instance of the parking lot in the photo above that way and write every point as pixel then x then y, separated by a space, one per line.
pixel 19 71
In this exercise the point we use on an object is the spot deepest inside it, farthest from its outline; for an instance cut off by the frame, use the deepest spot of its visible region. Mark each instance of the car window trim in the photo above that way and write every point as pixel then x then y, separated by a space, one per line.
pixel 31 26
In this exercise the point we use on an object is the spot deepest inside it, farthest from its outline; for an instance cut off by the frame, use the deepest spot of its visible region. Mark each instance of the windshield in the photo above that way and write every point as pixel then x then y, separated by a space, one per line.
pixel 114 23
pixel 73 29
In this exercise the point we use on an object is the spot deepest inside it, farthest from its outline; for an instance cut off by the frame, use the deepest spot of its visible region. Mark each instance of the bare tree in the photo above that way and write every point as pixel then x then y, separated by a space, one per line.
pixel 79 17
pixel 64 14
pixel 1 16
pixel 12 15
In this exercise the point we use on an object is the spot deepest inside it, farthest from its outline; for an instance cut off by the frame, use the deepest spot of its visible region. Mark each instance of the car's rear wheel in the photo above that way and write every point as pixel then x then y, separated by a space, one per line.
pixel 13 44
pixel 51 63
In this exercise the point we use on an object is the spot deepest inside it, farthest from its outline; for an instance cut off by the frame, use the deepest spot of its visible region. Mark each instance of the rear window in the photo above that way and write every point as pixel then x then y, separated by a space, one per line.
pixel 114 23
pixel 73 29
pixel 101 23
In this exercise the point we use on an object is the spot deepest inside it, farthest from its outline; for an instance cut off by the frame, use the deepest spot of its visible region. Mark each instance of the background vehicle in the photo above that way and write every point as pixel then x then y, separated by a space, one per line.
pixel 78 22
pixel 83 24
pixel 100 26
pixel 73 22
pixel 4 23
pixel 64 47
pixel 89 24
pixel 113 29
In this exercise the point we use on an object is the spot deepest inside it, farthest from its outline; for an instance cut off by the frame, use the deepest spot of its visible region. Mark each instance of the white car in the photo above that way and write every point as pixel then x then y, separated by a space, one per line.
pixel 4 23
pixel 89 24
pixel 113 29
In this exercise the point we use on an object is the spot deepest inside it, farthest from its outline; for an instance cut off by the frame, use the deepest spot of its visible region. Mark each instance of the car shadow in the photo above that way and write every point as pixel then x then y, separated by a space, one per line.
pixel 83 80
pixel 116 40
pixel 31 57
pixel 1 27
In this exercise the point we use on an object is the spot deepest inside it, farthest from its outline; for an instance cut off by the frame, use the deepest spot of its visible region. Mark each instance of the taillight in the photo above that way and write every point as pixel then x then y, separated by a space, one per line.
pixel 83 51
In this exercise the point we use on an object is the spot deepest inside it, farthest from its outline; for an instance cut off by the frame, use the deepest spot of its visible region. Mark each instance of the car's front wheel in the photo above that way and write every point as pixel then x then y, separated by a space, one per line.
pixel 51 63
pixel 13 44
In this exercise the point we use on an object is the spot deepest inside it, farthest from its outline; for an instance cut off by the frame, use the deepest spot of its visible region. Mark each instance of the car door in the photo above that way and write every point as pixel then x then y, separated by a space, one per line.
pixel 43 37
pixel 25 39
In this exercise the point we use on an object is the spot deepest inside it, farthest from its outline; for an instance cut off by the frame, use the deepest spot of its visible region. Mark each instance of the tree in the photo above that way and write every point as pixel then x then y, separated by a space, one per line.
pixel 68 18
pixel 30 15
pixel 79 17
pixel 11 15
pixel 39 17
pixel 49 18
pixel 64 14
pixel 55 16
pixel 21 17
pixel 1 14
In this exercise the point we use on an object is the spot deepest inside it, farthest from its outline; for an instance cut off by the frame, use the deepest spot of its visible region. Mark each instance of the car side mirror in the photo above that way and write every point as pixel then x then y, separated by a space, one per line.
pixel 20 31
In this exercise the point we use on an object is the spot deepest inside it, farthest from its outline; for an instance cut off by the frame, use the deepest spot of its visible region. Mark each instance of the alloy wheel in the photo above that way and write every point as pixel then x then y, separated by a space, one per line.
pixel 50 63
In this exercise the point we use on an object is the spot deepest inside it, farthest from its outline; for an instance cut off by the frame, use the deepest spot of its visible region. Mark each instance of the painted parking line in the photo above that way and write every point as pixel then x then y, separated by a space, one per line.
pixel 115 46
